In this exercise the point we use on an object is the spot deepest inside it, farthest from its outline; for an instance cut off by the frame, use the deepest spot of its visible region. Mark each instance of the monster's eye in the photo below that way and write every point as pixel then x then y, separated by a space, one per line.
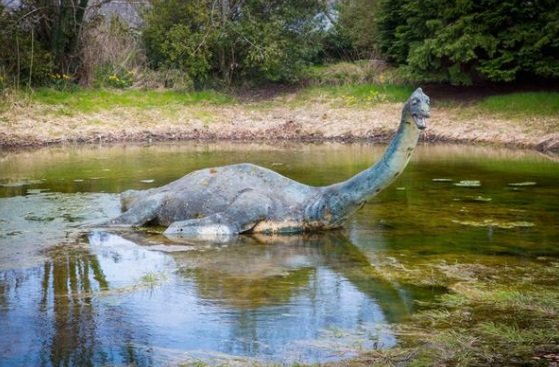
pixel 415 101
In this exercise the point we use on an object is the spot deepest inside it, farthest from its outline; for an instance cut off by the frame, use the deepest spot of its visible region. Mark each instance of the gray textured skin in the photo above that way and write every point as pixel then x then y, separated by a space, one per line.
pixel 245 198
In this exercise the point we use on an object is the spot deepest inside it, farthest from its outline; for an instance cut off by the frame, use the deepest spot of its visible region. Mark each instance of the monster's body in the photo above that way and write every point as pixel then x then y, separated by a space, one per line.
pixel 276 203
pixel 247 198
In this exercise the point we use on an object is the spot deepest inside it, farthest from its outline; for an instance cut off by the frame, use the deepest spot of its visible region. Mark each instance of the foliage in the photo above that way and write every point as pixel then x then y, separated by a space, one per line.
pixel 190 43
pixel 123 79
pixel 23 58
pixel 341 73
pixel 42 40
pixel 164 78
pixel 357 22
pixel 257 39
pixel 56 27
pixel 3 81
pixel 465 40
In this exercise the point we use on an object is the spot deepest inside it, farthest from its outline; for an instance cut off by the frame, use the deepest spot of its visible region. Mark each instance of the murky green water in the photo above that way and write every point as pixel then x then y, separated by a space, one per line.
pixel 72 296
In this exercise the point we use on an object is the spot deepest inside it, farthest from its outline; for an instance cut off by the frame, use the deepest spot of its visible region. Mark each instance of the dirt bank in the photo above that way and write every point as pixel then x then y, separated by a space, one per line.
pixel 36 125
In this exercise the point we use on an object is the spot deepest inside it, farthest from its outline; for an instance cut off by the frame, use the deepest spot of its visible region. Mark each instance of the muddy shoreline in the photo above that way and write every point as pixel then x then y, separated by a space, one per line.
pixel 8 143
pixel 39 126
pixel 549 145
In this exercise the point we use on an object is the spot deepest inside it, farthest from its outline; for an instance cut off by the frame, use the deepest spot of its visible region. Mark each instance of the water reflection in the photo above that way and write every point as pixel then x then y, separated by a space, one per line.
pixel 263 270
pixel 71 280
pixel 121 300
pixel 49 314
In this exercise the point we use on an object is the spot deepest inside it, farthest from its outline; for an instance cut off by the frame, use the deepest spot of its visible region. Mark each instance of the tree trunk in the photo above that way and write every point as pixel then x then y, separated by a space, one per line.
pixel 224 63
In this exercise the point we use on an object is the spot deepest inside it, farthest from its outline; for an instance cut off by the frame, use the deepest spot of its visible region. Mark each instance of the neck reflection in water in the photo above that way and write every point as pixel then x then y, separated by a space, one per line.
pixel 139 298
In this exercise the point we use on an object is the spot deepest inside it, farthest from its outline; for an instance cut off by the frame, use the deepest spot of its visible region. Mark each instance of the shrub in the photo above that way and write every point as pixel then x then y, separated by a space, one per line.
pixel 360 72
pixel 164 79
pixel 110 53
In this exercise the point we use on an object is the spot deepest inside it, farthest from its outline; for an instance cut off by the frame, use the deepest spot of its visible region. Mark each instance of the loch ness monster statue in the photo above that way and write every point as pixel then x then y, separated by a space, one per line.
pixel 245 198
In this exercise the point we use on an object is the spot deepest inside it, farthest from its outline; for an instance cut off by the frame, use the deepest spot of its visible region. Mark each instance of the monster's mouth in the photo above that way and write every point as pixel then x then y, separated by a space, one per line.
pixel 420 121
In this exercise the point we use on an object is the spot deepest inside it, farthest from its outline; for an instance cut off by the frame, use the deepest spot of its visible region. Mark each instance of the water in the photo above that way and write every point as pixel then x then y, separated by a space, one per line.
pixel 78 296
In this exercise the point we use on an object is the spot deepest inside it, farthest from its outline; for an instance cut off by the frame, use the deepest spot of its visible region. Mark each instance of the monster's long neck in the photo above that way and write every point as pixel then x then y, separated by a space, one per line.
pixel 342 199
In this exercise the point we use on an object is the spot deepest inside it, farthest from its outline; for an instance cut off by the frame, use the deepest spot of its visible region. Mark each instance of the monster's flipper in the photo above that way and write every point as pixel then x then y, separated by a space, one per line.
pixel 248 209
pixel 139 214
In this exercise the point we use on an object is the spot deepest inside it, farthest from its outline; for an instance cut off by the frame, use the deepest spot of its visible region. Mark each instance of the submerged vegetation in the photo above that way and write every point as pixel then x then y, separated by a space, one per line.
pixel 493 314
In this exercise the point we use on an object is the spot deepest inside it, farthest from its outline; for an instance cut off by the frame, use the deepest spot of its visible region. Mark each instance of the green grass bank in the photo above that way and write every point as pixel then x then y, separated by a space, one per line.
pixel 317 112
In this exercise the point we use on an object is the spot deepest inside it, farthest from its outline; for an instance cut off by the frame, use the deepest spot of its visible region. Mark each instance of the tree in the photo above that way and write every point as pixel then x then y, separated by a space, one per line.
pixel 357 22
pixel 42 37
pixel 233 39
pixel 23 58
pixel 465 40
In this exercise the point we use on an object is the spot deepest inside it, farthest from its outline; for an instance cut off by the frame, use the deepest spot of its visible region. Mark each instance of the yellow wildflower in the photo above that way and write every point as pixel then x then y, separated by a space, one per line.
pixel 381 77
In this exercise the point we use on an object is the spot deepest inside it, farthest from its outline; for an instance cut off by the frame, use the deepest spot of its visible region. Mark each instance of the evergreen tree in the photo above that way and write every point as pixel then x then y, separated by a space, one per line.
pixel 461 41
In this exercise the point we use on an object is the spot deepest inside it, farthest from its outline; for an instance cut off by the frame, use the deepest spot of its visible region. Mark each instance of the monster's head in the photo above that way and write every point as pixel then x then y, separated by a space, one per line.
pixel 419 106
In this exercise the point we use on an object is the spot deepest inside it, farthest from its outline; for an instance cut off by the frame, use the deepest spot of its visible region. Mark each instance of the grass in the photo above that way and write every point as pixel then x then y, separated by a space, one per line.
pixel 93 100
pixel 68 103
pixel 152 279
pixel 357 94
pixel 522 104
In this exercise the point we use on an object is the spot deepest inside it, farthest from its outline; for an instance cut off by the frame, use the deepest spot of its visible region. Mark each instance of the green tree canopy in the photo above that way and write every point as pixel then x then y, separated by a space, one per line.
pixel 463 40
pixel 357 22
pixel 233 39
pixel 40 37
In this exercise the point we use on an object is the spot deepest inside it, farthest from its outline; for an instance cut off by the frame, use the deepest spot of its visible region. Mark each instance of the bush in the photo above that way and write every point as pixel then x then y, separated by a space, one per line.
pixel 111 53
pixel 360 72
pixel 42 41
pixel 121 79
pixel 164 79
